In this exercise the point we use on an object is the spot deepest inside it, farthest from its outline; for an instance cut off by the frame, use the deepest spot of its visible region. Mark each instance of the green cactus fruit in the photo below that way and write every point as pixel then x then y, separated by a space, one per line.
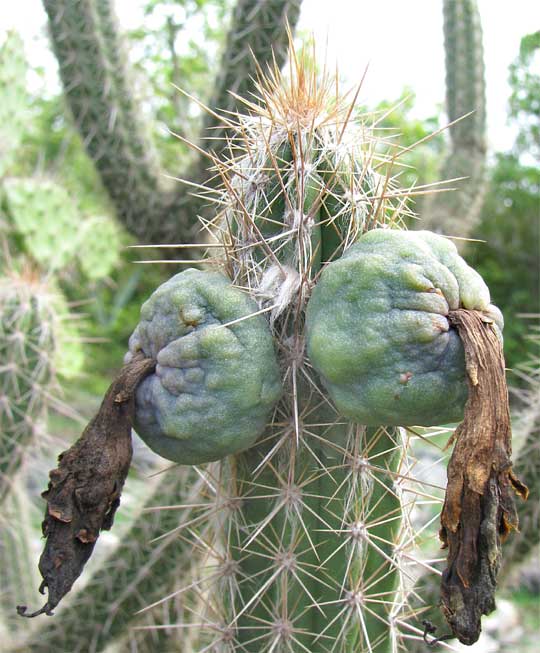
pixel 15 101
pixel 217 377
pixel 46 218
pixel 99 247
pixel 378 334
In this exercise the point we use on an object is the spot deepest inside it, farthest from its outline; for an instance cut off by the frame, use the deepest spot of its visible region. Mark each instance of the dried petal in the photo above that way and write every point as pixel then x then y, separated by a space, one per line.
pixel 479 509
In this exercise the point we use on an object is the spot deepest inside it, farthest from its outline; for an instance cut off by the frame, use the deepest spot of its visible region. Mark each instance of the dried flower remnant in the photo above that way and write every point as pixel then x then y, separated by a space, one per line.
pixel 84 490
pixel 479 510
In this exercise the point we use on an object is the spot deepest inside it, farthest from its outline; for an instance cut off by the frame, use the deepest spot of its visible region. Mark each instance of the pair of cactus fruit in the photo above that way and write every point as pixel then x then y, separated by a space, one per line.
pixel 376 331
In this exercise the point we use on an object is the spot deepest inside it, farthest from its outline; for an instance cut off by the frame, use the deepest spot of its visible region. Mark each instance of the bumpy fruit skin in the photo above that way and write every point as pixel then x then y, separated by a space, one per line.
pixel 377 331
pixel 214 385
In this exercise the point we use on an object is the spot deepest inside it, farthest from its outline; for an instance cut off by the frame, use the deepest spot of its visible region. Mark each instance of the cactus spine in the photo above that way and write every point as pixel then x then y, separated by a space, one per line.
pixel 27 347
pixel 527 460
pixel 457 213
pixel 306 540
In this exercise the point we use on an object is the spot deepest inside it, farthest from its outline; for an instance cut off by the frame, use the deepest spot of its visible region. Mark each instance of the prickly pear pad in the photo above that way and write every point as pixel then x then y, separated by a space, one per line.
pixel 378 333
pixel 214 385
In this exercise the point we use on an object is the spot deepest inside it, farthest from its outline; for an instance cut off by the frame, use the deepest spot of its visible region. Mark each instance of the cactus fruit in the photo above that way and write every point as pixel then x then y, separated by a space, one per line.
pixel 377 331
pixel 217 377
pixel 27 351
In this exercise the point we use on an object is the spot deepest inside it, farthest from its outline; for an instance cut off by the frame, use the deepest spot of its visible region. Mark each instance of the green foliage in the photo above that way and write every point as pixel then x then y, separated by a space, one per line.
pixel 395 122
pixel 177 47
pixel 524 101
pixel 99 247
pixel 47 219
pixel 15 100
pixel 508 260
pixel 51 147
pixel 509 222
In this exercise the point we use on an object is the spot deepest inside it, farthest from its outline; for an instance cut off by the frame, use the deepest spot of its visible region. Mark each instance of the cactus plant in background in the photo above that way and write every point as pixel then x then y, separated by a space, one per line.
pixel 45 217
pixel 308 542
pixel 31 331
pixel 96 79
pixel 28 340
pixel 457 213
pixel 48 227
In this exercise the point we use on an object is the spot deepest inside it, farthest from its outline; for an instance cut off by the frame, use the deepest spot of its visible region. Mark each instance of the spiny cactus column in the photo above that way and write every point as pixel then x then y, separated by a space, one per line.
pixel 17 537
pixel 27 347
pixel 457 212
pixel 96 78
pixel 527 462
pixel 303 546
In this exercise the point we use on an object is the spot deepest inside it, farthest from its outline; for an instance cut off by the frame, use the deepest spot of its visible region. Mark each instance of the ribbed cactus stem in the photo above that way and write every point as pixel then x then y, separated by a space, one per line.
pixel 98 86
pixel 308 522
pixel 320 569
pixel 15 102
pixel 527 465
pixel 457 213
pixel 27 346
pixel 19 577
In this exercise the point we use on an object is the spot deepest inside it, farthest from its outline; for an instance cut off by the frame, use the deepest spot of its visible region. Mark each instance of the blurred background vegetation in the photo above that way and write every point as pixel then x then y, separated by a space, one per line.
pixel 59 229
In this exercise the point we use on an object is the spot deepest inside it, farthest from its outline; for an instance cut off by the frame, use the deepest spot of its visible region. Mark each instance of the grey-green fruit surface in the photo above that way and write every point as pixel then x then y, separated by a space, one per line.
pixel 378 333
pixel 215 383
